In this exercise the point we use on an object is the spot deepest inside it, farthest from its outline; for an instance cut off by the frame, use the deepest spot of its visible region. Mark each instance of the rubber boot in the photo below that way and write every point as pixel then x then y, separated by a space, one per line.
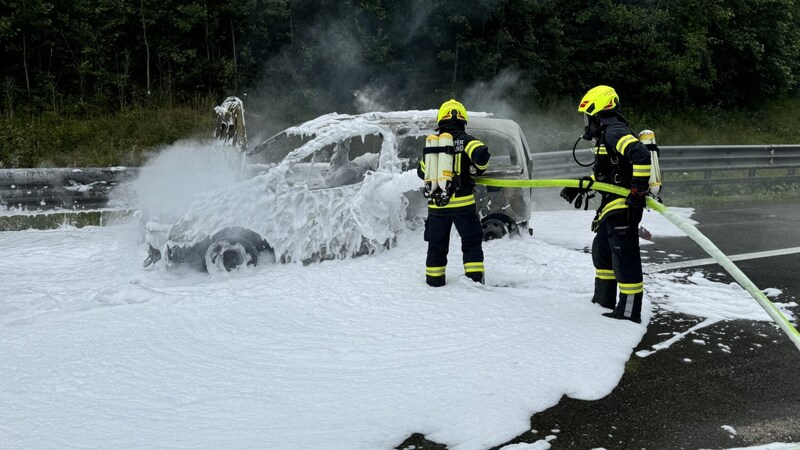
pixel 435 281
pixel 476 277
pixel 605 293
pixel 629 307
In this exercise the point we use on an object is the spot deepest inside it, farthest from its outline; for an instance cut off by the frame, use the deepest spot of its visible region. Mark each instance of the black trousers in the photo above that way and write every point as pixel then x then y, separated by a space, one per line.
pixel 437 234
pixel 618 264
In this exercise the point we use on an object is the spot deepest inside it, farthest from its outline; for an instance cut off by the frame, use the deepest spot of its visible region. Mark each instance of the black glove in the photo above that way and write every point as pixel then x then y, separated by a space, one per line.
pixel 569 194
pixel 652 147
pixel 637 198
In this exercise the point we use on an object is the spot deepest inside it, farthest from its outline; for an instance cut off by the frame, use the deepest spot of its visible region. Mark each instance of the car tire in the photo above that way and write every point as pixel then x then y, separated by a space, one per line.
pixel 229 254
pixel 493 228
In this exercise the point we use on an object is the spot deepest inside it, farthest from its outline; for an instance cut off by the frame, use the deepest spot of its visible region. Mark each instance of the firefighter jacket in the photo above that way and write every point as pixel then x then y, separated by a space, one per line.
pixel 469 152
pixel 621 160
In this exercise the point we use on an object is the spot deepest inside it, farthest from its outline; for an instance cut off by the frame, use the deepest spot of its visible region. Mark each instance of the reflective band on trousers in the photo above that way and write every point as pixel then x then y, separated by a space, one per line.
pixel 630 288
pixel 435 271
pixel 473 267
pixel 604 274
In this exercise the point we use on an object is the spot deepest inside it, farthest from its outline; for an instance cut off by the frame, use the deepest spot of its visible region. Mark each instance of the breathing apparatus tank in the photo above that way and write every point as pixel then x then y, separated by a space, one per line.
pixel 445 162
pixel 648 138
pixel 431 158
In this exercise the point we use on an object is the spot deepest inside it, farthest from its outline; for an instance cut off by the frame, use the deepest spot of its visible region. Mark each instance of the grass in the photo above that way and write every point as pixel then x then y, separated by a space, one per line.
pixel 771 123
pixel 49 221
pixel 121 139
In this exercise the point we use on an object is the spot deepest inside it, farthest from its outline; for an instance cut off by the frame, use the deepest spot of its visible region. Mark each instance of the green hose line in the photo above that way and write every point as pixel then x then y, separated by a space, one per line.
pixel 681 223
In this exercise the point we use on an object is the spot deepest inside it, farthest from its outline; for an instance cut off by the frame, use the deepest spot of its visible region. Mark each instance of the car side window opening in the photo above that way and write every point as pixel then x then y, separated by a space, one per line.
pixel 409 150
pixel 502 149
pixel 351 160
pixel 311 169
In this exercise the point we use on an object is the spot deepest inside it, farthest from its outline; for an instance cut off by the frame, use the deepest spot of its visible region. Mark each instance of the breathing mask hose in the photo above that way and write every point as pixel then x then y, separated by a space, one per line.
pixel 575 156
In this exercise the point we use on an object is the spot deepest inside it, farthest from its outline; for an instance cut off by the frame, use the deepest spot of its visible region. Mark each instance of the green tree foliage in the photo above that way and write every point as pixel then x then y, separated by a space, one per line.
pixel 302 57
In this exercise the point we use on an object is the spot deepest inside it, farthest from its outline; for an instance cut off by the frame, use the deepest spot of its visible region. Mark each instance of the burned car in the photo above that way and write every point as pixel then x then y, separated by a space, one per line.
pixel 334 187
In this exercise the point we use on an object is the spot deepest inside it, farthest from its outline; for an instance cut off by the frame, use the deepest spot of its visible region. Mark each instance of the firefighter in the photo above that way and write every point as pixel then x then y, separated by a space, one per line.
pixel 450 160
pixel 622 160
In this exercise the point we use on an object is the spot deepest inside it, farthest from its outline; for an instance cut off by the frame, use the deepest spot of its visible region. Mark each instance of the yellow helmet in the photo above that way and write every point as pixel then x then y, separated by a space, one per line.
pixel 452 109
pixel 599 98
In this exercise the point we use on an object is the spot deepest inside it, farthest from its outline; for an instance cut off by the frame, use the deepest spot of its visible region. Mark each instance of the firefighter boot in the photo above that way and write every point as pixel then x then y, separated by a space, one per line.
pixel 629 307
pixel 476 277
pixel 434 276
pixel 474 269
pixel 605 292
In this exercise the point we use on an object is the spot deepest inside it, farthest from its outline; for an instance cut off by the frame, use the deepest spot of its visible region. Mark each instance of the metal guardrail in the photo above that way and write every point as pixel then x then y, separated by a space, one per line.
pixel 692 158
pixel 89 188
pixel 61 188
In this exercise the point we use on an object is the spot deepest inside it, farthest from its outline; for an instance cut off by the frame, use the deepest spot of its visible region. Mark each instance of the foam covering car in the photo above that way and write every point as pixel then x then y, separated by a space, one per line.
pixel 336 186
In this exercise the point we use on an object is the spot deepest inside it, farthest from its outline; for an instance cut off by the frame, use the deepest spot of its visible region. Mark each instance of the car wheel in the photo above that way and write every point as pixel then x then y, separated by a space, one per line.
pixel 494 228
pixel 228 254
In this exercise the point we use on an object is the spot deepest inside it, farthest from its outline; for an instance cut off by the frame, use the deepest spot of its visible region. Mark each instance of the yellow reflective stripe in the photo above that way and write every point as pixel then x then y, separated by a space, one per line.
pixel 482 166
pixel 601 150
pixel 613 205
pixel 630 288
pixel 604 274
pixel 458 164
pixel 435 271
pixel 456 202
pixel 473 267
pixel 624 142
pixel 641 170
pixel 422 166
pixel 471 147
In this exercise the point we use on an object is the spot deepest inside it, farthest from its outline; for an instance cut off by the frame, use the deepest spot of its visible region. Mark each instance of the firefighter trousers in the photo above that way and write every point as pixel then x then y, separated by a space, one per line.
pixel 437 234
pixel 618 264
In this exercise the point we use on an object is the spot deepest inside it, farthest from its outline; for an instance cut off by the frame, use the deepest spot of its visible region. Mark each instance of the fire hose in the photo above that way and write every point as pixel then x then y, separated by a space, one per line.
pixel 777 316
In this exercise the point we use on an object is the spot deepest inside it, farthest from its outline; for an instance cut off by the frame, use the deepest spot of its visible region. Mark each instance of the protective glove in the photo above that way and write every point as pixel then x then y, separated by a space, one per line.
pixel 652 147
pixel 569 194
pixel 637 198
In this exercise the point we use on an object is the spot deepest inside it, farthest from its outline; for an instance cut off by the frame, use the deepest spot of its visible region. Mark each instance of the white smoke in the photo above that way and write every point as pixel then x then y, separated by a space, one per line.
pixel 171 179
pixel 370 99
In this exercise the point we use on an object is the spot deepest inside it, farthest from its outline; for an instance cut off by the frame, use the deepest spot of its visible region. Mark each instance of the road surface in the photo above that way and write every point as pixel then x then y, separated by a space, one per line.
pixel 741 388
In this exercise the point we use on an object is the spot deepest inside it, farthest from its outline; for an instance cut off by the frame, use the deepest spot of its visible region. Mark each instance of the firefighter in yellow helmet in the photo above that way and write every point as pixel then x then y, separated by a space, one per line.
pixel 622 160
pixel 450 160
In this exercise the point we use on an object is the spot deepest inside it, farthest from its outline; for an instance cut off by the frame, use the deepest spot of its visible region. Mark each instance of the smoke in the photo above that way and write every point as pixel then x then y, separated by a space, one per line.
pixel 494 95
pixel 334 65
pixel 547 128
pixel 370 99
pixel 409 28
pixel 169 181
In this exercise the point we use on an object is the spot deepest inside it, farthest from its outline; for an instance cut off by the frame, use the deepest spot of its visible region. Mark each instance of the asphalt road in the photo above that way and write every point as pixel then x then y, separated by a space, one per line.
pixel 741 389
